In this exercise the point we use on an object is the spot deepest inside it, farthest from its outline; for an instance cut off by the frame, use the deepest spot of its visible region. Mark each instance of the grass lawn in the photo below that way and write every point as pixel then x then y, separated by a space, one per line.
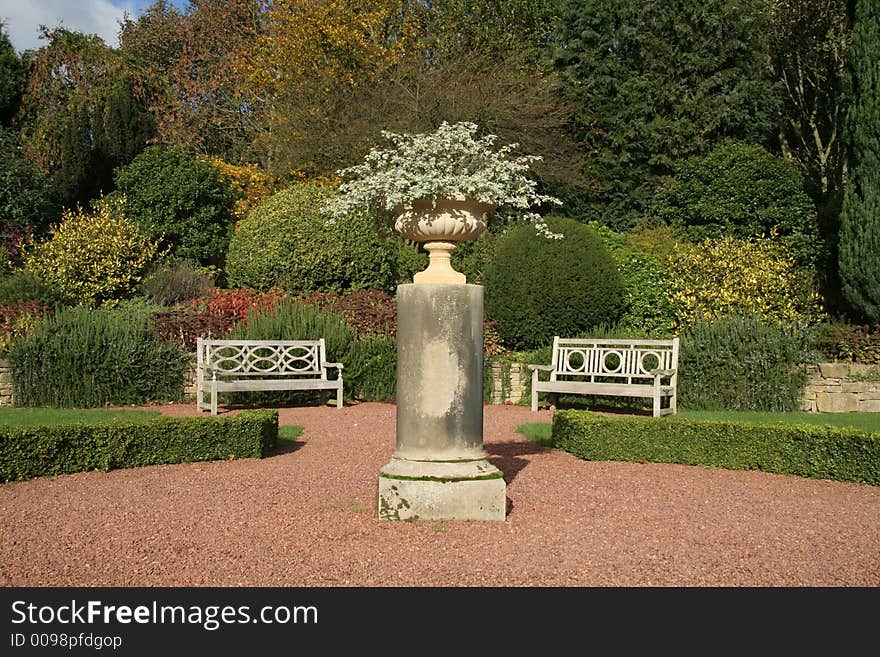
pixel 288 434
pixel 539 432
pixel 21 417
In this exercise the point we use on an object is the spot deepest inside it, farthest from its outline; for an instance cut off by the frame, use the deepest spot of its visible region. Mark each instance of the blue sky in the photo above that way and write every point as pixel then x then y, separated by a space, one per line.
pixel 24 17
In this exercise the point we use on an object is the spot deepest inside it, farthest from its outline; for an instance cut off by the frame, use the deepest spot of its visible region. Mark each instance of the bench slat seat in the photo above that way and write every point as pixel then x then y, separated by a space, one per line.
pixel 612 367
pixel 611 389
pixel 251 365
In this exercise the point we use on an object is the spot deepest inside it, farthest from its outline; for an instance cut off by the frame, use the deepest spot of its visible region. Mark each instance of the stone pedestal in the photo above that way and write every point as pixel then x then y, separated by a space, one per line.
pixel 439 469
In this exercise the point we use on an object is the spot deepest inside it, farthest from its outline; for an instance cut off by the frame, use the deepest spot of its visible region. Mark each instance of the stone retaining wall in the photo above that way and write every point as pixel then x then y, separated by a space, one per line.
pixel 513 389
pixel 5 384
pixel 843 388
pixel 832 388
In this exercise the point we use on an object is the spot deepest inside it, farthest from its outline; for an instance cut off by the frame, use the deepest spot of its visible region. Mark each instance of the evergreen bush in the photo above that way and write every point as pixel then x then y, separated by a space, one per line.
pixel 294 321
pixel 173 282
pixel 39 451
pixel 741 190
pixel 286 242
pixel 728 275
pixel 23 286
pixel 820 452
pixel 537 287
pixel 82 357
pixel 744 364
pixel 183 201
pixel 371 369
pixel 645 279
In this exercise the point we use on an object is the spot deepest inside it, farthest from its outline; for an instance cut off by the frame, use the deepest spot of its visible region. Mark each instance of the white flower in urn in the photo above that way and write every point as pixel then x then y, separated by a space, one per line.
pixel 441 187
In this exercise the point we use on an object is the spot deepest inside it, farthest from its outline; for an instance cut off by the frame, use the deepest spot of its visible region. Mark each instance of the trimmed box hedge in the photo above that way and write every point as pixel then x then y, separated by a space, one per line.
pixel 27 452
pixel 816 451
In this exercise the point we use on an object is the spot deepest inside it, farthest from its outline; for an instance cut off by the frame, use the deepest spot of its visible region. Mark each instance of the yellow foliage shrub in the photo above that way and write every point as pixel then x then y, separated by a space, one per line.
pixel 725 276
pixel 250 183
pixel 93 256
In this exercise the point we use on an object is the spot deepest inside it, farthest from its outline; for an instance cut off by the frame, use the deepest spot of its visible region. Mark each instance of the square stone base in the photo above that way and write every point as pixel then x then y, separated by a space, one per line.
pixel 433 498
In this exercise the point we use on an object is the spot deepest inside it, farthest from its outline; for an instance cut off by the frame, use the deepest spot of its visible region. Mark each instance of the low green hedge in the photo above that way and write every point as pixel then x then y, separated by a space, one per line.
pixel 37 451
pixel 820 452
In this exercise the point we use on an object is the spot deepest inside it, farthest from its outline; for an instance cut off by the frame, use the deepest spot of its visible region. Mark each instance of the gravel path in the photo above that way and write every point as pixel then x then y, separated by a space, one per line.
pixel 306 518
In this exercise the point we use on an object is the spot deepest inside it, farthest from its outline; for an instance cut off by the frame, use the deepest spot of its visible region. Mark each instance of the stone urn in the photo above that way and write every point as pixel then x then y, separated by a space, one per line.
pixel 440 224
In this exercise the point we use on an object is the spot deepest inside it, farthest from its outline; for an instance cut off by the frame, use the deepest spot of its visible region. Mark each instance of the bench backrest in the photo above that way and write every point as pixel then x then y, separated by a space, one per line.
pixel 607 359
pixel 262 357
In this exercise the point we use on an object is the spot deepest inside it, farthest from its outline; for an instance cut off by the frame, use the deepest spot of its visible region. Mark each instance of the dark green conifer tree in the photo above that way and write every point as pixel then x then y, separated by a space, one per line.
pixel 653 82
pixel 860 217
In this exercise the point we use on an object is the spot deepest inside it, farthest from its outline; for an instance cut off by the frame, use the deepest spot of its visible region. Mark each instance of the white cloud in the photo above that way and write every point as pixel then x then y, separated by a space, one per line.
pixel 24 17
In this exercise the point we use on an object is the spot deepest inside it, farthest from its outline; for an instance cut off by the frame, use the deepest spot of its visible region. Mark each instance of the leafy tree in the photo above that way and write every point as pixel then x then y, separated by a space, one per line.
pixel 808 44
pixel 657 81
pixel 181 200
pixel 407 67
pixel 13 77
pixel 860 218
pixel 82 114
pixel 304 65
pixel 191 56
pixel 25 205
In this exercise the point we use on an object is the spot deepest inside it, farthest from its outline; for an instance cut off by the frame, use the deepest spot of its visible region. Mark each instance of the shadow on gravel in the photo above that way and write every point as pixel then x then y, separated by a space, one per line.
pixel 507 457
pixel 286 449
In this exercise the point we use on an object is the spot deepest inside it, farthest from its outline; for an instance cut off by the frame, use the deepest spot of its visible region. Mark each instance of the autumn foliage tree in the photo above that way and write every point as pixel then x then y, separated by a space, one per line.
pixel 203 105
pixel 82 114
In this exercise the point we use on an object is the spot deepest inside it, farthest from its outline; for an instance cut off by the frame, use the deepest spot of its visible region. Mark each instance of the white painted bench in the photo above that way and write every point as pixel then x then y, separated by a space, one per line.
pixel 249 365
pixel 620 368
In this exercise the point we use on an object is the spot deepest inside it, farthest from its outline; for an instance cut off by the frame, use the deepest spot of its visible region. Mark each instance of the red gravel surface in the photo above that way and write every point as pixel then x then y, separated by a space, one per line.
pixel 306 517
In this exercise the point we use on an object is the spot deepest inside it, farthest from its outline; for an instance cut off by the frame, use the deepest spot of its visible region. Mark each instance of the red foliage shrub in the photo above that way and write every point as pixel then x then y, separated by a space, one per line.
pixel 212 316
pixel 185 325
pixel 368 312
pixel 853 344
pixel 237 304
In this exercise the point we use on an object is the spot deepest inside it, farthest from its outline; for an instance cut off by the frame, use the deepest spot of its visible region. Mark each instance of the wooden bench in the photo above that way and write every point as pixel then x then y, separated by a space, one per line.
pixel 620 368
pixel 249 365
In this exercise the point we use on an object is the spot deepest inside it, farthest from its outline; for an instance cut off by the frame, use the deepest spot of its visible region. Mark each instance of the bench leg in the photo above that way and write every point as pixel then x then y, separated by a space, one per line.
pixel 214 398
pixel 534 391
pixel 339 397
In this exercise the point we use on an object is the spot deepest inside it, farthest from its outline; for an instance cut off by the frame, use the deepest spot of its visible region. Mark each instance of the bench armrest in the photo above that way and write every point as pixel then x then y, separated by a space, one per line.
pixel 661 372
pixel 336 365
pixel 543 368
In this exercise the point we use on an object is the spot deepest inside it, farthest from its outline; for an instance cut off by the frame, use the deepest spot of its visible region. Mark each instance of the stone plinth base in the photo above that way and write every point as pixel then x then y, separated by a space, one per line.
pixel 441 490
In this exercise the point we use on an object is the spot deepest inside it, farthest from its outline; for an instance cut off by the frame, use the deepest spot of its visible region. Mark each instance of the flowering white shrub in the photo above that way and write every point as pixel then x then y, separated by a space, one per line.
pixel 449 163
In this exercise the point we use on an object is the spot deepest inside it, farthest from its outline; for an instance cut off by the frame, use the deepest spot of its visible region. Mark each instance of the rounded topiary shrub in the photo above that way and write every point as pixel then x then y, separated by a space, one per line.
pixel 743 191
pixel 181 200
pixel 538 287
pixel 287 242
